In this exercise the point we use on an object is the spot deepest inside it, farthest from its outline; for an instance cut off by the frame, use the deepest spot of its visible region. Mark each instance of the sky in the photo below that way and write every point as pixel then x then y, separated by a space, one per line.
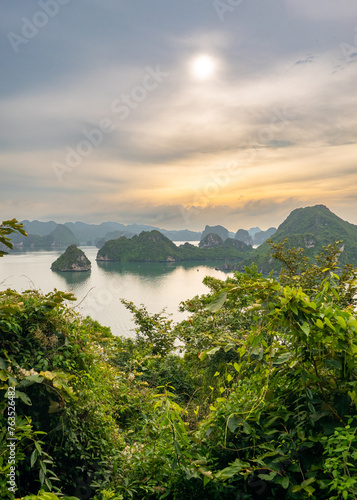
pixel 177 114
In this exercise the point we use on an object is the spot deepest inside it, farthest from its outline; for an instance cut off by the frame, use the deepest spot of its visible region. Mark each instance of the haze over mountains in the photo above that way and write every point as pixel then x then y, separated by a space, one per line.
pixel 44 234
pixel 310 228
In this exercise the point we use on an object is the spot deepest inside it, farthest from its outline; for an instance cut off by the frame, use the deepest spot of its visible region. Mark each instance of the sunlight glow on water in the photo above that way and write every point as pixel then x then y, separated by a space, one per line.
pixel 156 285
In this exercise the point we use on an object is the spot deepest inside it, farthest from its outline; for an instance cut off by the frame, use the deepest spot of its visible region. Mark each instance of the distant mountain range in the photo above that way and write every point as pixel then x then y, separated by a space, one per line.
pixel 90 234
pixel 51 234
pixel 252 237
pixel 311 228
pixel 60 236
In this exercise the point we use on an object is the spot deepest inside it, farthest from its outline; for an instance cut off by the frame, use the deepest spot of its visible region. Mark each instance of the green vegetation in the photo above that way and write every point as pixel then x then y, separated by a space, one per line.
pixel 310 228
pixel 153 246
pixel 7 228
pixel 73 259
pixel 98 234
pixel 253 396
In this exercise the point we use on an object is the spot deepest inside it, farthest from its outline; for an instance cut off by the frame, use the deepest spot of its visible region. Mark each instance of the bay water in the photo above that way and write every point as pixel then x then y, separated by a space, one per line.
pixel 155 285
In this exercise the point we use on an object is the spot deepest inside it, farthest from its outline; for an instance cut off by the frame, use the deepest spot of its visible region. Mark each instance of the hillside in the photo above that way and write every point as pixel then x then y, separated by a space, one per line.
pixel 155 247
pixel 243 235
pixel 147 247
pixel 63 236
pixel 220 230
pixel 311 228
pixel 261 236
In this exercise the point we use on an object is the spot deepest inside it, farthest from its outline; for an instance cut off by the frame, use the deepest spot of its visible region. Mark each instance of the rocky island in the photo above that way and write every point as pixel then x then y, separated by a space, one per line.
pixel 73 259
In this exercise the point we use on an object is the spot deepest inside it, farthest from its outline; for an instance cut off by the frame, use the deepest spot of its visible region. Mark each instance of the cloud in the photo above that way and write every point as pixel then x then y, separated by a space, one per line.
pixel 275 126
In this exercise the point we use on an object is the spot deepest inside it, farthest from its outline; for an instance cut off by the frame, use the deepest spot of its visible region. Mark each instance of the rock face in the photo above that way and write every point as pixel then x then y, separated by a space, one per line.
pixel 262 236
pixel 73 259
pixel 243 235
pixel 254 230
pixel 238 244
pixel 220 230
pixel 211 240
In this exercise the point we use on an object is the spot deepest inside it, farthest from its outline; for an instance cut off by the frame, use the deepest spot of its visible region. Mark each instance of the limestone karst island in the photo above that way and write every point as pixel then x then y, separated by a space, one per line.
pixel 72 260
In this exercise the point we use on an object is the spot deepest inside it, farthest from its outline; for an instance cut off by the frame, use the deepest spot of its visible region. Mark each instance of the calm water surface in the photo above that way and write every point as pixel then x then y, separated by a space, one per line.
pixel 156 285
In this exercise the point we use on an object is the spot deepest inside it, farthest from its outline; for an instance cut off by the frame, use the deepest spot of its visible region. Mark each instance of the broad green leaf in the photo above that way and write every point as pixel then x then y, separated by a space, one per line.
pixel 30 380
pixel 352 322
pixel 233 423
pixel 309 490
pixel 307 482
pixel 178 448
pixel 283 358
pixel 294 309
pixel 301 434
pixel 48 375
pixel 213 351
pixel 206 480
pixel 54 407
pixel 232 470
pixel 285 483
pixel 33 457
pixel 217 302
pixel 341 322
pixel 296 488
pixel 24 397
pixel 305 328
pixel 319 324
pixel 329 324
pixel 267 477
pixel 203 356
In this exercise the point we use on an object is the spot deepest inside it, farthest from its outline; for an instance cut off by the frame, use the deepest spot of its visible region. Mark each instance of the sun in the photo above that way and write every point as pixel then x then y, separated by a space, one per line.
pixel 203 67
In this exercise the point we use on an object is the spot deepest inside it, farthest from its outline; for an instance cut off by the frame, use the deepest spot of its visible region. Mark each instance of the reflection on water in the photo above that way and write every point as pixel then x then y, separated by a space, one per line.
pixel 152 269
pixel 156 285
pixel 73 278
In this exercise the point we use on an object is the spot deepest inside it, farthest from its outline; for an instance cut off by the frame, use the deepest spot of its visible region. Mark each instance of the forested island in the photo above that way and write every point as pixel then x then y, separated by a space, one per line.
pixel 152 246
pixel 72 260
pixel 309 228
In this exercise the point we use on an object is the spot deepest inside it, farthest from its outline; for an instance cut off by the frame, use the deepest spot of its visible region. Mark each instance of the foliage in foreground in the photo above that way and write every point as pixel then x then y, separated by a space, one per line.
pixel 261 403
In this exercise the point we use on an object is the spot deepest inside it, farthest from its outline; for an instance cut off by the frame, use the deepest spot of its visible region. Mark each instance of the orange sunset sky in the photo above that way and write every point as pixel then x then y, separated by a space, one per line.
pixel 178 114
